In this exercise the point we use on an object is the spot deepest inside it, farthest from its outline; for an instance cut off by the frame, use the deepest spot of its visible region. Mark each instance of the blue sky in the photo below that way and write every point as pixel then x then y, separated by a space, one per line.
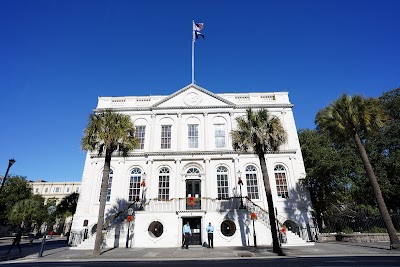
pixel 57 57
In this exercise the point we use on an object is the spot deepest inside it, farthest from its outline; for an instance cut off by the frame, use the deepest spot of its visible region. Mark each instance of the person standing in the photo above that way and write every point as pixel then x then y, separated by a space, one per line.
pixel 210 235
pixel 187 232
pixel 16 241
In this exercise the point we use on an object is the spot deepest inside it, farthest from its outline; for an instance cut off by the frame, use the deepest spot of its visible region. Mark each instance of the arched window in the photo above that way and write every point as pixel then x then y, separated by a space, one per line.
pixel 251 182
pixel 110 177
pixel 163 184
pixel 222 182
pixel 134 184
pixel 193 170
pixel 281 181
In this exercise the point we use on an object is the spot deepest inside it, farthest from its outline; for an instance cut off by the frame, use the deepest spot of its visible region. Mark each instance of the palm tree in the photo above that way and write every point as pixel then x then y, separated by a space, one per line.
pixel 352 117
pixel 107 132
pixel 261 133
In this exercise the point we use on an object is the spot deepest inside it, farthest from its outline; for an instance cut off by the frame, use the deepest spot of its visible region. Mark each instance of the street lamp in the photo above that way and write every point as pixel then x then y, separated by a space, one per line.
pixel 129 219
pixel 50 211
pixel 253 217
pixel 240 183
pixel 10 163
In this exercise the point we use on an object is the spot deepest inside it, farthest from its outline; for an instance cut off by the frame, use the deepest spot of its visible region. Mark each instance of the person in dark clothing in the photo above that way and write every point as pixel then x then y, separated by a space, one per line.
pixel 16 241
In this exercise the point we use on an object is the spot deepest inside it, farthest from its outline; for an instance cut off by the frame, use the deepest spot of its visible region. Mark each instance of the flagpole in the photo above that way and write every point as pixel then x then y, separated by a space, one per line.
pixel 193 40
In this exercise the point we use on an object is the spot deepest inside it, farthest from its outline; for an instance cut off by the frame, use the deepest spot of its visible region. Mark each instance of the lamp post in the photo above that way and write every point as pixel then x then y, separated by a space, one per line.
pixel 253 217
pixel 240 183
pixel 50 211
pixel 129 219
pixel 10 163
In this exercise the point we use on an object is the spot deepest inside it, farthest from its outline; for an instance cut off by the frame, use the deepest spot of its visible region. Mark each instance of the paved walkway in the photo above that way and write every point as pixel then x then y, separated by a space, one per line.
pixel 56 250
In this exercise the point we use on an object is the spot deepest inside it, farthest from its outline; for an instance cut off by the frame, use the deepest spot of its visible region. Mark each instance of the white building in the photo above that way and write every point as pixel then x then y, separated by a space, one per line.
pixel 54 190
pixel 186 151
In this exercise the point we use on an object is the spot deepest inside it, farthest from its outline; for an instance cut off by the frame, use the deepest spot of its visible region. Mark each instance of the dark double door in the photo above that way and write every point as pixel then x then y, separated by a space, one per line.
pixel 195 226
pixel 193 189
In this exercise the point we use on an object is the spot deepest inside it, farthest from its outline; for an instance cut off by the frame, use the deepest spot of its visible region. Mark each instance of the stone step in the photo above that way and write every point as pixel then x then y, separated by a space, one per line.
pixel 295 240
pixel 85 245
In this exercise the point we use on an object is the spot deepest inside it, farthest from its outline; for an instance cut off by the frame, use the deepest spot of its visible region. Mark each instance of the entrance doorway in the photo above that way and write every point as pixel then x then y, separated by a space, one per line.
pixel 193 189
pixel 195 226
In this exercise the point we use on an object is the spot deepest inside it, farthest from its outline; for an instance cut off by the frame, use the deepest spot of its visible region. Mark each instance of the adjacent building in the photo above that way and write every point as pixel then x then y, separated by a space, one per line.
pixel 185 170
pixel 54 190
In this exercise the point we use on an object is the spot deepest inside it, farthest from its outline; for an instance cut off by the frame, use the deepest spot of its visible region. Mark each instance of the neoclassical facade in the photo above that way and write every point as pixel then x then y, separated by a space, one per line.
pixel 185 170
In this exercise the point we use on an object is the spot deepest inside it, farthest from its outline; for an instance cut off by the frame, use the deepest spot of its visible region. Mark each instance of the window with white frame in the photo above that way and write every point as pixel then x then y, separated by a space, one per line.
pixel 222 182
pixel 193 170
pixel 193 135
pixel 110 177
pixel 77 190
pixel 219 130
pixel 163 184
pixel 57 189
pixel 251 182
pixel 140 135
pixel 166 136
pixel 281 181
pixel 134 185
pixel 67 190
pixel 37 190
pixel 46 190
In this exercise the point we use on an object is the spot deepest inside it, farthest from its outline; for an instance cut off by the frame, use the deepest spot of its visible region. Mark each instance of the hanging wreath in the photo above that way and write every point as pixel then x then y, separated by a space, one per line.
pixel 240 182
pixel 191 201
pixel 253 216
pixel 143 184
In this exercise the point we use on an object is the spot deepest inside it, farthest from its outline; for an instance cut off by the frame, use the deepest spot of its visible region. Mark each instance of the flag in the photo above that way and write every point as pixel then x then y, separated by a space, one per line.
pixel 197 27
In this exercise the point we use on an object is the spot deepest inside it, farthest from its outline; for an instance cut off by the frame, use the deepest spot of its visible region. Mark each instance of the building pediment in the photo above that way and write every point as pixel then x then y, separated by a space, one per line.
pixel 192 96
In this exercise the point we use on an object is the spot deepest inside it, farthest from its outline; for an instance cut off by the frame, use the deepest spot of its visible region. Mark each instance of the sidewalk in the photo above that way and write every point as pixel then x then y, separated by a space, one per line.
pixel 54 252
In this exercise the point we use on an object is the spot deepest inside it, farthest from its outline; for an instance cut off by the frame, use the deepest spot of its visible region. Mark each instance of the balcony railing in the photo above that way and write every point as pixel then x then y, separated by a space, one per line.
pixel 187 204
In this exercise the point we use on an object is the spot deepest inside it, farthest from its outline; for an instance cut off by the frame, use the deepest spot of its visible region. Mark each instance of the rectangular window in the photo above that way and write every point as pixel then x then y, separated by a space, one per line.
pixel 222 185
pixel 193 135
pixel 163 186
pixel 37 190
pixel 166 136
pixel 67 190
pixel 56 189
pixel 140 134
pixel 219 130
pixel 134 188
pixel 46 190
pixel 252 185
pixel 77 190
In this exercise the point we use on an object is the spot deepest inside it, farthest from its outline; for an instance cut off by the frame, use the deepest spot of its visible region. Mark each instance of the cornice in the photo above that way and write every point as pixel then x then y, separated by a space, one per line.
pixel 197 107
pixel 189 153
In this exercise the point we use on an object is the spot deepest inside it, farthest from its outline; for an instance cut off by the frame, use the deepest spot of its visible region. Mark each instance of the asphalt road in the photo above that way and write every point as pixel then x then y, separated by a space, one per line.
pixel 368 261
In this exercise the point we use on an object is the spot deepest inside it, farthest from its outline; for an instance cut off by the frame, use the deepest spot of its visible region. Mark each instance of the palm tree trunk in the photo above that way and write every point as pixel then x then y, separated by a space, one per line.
pixel 271 210
pixel 102 206
pixel 394 239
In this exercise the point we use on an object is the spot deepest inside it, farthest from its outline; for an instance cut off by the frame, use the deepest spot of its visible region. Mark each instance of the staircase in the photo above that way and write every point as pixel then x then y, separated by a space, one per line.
pixel 87 244
pixel 293 240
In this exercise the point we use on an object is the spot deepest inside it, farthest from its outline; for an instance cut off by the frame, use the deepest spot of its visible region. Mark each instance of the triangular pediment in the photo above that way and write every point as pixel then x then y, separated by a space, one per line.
pixel 192 96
